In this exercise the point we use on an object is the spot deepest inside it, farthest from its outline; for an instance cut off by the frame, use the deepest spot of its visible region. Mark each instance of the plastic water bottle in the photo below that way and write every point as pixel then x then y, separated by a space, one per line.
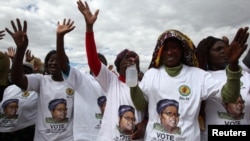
pixel 131 76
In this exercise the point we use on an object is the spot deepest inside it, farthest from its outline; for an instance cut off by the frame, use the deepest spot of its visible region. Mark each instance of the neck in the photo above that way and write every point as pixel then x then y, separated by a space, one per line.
pixel 174 71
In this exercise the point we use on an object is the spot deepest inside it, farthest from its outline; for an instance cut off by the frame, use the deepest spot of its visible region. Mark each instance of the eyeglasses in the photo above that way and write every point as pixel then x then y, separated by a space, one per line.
pixel 240 102
pixel 62 109
pixel 12 107
pixel 171 114
pixel 129 118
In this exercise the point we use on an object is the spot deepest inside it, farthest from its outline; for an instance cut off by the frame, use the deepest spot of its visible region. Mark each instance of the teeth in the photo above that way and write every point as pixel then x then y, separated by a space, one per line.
pixel 173 121
pixel 170 59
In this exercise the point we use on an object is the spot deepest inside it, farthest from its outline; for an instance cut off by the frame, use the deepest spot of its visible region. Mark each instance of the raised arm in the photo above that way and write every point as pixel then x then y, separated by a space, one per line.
pixel 20 38
pixel 11 52
pixel 236 48
pixel 28 56
pixel 63 29
pixel 93 61
pixel 231 89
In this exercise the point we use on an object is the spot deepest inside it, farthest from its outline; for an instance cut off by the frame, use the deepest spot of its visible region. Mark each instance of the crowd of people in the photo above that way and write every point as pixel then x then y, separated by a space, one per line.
pixel 185 89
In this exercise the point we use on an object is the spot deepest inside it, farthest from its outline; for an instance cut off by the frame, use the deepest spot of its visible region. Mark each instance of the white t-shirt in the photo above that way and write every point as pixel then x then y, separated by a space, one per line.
pixel 118 93
pixel 87 119
pixel 47 129
pixel 216 113
pixel 24 111
pixel 188 88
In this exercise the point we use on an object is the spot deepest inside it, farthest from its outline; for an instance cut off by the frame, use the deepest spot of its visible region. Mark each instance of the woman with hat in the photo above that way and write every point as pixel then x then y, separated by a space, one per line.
pixel 173 74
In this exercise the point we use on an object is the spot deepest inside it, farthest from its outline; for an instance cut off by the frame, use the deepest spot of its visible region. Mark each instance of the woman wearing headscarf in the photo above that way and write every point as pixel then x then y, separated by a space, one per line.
pixel 172 75
pixel 168 111
pixel 127 120
pixel 212 58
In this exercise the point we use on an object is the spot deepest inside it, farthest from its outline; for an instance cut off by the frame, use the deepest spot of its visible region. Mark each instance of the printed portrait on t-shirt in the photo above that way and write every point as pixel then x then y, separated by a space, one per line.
pixel 167 110
pixel 58 110
pixel 126 115
pixel 234 111
pixel 101 101
pixel 9 109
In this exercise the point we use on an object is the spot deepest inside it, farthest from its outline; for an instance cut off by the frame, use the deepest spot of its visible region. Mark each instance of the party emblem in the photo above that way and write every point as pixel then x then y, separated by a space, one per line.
pixel 25 94
pixel 184 90
pixel 70 91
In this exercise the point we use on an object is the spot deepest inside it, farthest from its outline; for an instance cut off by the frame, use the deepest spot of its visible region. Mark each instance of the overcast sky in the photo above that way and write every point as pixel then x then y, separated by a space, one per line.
pixel 131 24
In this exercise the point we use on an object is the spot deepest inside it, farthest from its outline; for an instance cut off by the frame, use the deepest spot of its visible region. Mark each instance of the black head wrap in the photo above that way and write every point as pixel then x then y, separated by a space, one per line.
pixel 125 108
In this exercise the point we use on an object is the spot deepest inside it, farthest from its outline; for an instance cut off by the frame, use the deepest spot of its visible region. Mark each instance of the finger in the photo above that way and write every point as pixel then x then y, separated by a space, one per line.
pixel 80 4
pixel 64 21
pixel 96 12
pixel 19 24
pixel 71 24
pixel 86 4
pixel 25 26
pixel 225 39
pixel 245 39
pixel 1 35
pixel 243 35
pixel 72 28
pixel 69 21
pixel 13 26
pixel 7 30
pixel 236 37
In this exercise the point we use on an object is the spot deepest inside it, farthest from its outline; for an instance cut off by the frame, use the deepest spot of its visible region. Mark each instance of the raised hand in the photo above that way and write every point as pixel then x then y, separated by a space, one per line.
pixel 237 46
pixel 89 17
pixel 19 35
pixel 1 34
pixel 28 56
pixel 11 52
pixel 65 27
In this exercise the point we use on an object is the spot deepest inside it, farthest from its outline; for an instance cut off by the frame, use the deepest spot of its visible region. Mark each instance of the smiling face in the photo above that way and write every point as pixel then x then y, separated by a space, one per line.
pixel 236 109
pixel 11 109
pixel 127 122
pixel 169 118
pixel 60 112
pixel 172 53
pixel 53 67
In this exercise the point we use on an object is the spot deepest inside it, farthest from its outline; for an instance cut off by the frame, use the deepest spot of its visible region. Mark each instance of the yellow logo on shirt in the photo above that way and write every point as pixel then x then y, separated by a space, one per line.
pixel 184 90
pixel 25 94
pixel 70 91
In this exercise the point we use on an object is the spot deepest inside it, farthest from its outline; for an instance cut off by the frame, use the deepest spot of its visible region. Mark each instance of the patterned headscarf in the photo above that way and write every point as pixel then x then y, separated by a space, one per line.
pixel 188 48
pixel 162 104
pixel 55 102
pixel 101 100
pixel 125 108
pixel 5 104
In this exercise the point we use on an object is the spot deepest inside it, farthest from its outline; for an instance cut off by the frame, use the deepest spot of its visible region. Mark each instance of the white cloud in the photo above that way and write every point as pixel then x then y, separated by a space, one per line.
pixel 132 24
